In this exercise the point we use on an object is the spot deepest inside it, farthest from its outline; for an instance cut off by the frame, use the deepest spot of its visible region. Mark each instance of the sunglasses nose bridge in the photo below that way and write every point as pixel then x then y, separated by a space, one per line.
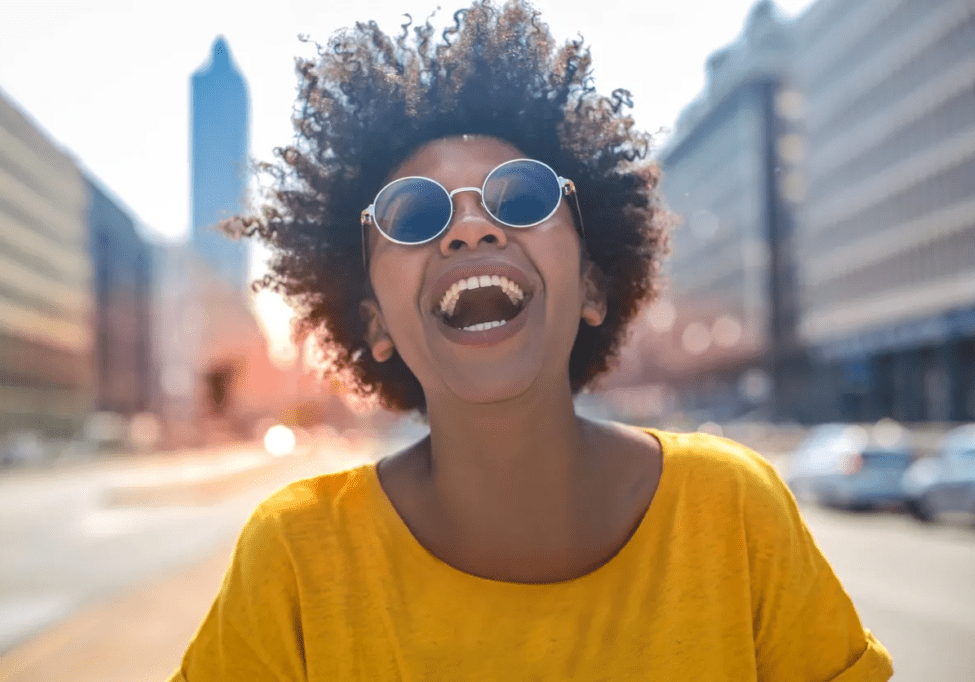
pixel 452 193
pixel 470 223
pixel 466 204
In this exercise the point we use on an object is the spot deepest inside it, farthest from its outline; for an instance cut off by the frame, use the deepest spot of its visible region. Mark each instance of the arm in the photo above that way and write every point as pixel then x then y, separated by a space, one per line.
pixel 805 624
pixel 253 629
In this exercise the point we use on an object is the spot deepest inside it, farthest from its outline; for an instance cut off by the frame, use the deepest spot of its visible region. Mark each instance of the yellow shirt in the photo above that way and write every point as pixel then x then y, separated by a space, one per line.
pixel 720 581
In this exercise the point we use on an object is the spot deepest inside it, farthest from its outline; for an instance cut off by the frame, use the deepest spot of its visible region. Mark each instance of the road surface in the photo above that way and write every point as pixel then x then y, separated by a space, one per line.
pixel 71 539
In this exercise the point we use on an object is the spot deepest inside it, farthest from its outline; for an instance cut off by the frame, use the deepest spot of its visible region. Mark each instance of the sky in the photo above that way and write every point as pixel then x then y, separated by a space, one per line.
pixel 108 80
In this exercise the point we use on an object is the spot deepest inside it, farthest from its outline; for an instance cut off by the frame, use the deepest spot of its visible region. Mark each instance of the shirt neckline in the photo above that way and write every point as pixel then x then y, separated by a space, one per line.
pixel 400 533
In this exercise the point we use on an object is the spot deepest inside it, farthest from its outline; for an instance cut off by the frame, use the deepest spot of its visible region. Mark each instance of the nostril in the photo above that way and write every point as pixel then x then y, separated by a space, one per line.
pixel 457 244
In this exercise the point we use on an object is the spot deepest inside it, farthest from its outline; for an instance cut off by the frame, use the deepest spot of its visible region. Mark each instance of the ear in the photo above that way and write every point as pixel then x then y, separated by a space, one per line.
pixel 378 337
pixel 593 294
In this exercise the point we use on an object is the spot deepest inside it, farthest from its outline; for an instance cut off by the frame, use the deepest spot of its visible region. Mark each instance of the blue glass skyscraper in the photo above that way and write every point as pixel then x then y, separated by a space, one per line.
pixel 219 149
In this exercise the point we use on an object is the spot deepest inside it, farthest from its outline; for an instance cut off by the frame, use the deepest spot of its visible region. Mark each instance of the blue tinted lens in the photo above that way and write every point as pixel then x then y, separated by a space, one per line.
pixel 413 210
pixel 522 193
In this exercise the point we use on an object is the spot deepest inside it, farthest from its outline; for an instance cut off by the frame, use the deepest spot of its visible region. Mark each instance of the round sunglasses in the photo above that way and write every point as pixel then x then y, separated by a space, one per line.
pixel 518 193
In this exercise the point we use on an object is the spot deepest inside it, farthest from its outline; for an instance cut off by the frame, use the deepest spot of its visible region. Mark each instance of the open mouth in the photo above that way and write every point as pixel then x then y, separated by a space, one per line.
pixel 480 303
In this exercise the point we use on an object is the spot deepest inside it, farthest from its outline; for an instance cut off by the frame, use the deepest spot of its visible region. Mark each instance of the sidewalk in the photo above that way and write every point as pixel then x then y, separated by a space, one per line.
pixel 138 637
pixel 141 633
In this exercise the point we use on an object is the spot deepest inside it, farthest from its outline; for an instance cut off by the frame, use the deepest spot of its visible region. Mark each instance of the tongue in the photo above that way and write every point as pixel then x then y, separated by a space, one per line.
pixel 485 304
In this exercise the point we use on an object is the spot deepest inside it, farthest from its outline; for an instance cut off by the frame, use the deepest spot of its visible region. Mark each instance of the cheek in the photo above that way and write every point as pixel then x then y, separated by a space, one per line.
pixel 569 300
pixel 396 275
pixel 557 236
pixel 557 253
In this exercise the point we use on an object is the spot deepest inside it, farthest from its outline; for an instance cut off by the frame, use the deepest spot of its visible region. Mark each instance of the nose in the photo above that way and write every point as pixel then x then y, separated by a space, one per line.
pixel 470 224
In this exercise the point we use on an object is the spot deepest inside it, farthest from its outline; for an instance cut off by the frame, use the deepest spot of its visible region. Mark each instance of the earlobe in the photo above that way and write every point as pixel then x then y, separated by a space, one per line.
pixel 593 296
pixel 382 350
pixel 380 342
pixel 593 314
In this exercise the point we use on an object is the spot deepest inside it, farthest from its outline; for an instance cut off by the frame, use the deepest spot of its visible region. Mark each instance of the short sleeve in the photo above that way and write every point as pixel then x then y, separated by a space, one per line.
pixel 805 624
pixel 253 629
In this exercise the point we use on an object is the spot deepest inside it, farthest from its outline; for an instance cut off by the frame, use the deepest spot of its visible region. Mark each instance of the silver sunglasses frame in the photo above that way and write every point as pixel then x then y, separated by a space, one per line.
pixel 566 187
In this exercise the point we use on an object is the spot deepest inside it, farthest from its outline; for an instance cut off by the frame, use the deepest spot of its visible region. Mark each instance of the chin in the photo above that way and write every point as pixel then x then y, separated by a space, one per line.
pixel 491 386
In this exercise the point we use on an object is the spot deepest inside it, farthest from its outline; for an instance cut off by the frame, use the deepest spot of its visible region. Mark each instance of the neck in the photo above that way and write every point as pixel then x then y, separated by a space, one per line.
pixel 521 464
pixel 532 438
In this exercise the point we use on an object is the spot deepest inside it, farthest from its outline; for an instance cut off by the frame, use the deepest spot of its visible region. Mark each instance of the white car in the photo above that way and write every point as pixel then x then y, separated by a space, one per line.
pixel 848 466
pixel 944 484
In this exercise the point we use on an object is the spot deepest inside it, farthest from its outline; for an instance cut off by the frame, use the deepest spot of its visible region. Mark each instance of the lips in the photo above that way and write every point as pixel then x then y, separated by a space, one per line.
pixel 477 268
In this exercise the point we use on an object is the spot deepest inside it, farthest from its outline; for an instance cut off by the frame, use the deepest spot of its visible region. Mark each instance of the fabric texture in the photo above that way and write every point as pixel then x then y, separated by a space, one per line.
pixel 720 581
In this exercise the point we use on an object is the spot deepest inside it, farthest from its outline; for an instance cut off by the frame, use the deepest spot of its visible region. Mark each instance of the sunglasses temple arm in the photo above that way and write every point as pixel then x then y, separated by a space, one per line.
pixel 570 188
pixel 364 218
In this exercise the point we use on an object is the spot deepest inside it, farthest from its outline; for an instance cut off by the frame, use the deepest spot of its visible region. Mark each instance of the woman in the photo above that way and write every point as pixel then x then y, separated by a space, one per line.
pixel 468 227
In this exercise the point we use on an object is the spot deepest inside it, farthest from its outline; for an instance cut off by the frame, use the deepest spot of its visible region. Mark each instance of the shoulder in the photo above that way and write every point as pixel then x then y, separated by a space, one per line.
pixel 715 458
pixel 305 508
pixel 307 495
pixel 711 473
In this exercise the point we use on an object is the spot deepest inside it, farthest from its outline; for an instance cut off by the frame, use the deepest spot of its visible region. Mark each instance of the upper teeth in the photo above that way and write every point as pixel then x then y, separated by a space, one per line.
pixel 449 301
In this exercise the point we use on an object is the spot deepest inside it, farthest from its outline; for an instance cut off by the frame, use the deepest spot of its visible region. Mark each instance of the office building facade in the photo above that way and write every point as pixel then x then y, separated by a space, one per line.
pixel 125 374
pixel 723 336
pixel 886 231
pixel 46 301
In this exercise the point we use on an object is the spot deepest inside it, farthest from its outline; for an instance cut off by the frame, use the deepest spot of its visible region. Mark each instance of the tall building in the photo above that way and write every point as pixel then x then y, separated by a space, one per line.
pixel 886 234
pixel 206 327
pixel 46 363
pixel 724 335
pixel 216 380
pixel 219 150
pixel 125 374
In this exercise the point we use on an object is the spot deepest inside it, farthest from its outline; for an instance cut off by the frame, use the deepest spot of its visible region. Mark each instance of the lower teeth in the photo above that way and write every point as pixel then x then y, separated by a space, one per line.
pixel 484 326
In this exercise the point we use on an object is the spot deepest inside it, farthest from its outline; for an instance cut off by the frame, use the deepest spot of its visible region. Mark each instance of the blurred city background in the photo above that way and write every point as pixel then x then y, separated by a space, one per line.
pixel 820 308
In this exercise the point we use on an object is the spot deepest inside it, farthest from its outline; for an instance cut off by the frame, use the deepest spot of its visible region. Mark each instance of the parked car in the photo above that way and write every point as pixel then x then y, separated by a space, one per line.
pixel 945 483
pixel 850 466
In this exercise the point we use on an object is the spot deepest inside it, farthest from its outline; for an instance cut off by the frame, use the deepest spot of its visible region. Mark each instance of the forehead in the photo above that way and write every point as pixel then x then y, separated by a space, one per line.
pixel 449 156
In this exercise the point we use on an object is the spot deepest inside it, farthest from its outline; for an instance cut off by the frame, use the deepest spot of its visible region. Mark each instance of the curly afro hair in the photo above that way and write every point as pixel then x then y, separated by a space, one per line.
pixel 371 99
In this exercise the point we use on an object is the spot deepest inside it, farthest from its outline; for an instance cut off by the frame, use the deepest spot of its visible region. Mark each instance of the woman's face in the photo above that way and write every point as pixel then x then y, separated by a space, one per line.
pixel 410 282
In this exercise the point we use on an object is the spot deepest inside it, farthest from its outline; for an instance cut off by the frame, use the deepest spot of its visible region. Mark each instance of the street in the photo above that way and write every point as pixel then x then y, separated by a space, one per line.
pixel 105 574
pixel 70 540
